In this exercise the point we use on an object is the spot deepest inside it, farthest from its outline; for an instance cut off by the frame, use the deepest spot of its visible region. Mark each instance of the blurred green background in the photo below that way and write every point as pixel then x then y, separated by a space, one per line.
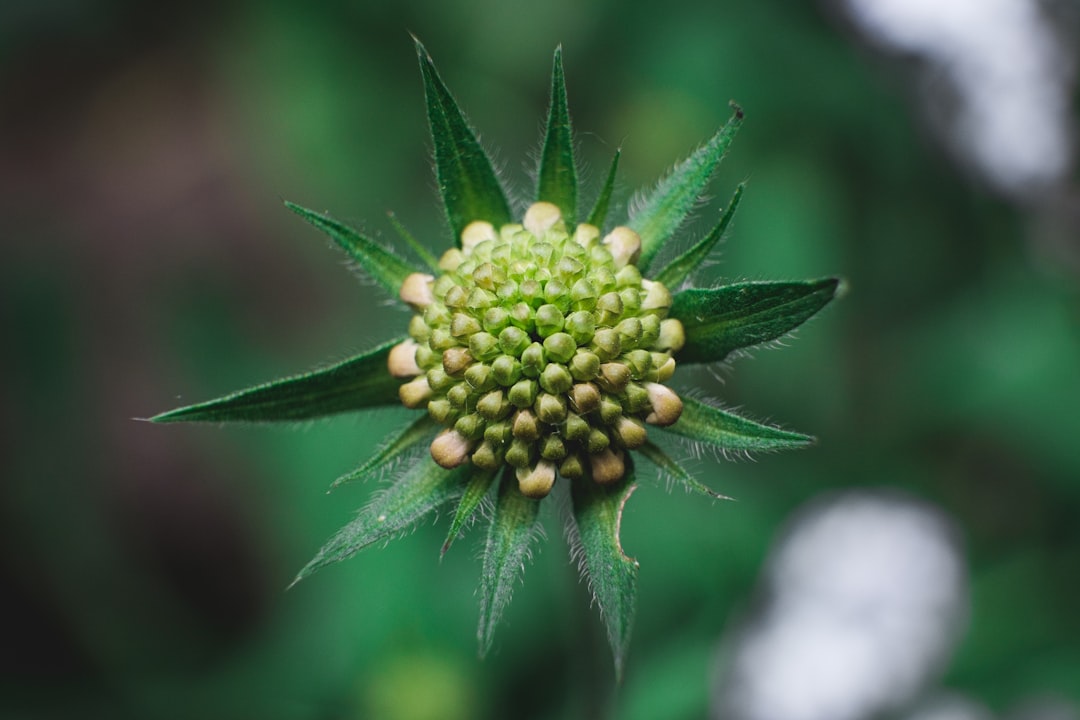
pixel 147 262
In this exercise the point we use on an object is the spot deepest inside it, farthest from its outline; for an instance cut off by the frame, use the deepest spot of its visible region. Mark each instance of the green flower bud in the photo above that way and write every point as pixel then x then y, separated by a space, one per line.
pixel 541 253
pixel 556 379
pixel 523 393
pixel 551 408
pixel 459 395
pixel 609 308
pixel 470 426
pixel 484 346
pixel 531 291
pixel 487 456
pixel 573 467
pixel 576 428
pixel 463 325
pixel 559 347
pixel 657 298
pixel 418 329
pixel 568 269
pixel 580 326
pixel 628 276
pixel 631 300
pixel 441 411
pixel 513 341
pixel 479 378
pixel 610 410
pixel 603 279
pixel 520 453
pixel 488 277
pixel 441 339
pixel 480 299
pixel 549 320
pixel 506 370
pixel 650 330
pixel 613 376
pixel 498 433
pixel 456 297
pixel 521 316
pixel 552 448
pixel 640 363
pixel 426 358
pixel 439 380
pixel 495 319
pixel 665 369
pixel 493 405
pixel 584 365
pixel 525 426
pixel 606 344
pixel 508 291
pixel 636 399
pixel 557 294
pixel 583 294
pixel 598 441
pixel 584 397
pixel 629 332
pixel 533 360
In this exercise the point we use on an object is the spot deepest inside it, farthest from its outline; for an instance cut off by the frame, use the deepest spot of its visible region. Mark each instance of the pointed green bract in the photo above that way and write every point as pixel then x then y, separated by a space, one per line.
pixel 426 255
pixel 720 320
pixel 558 172
pixel 383 266
pixel 467 182
pixel 513 531
pixel 600 210
pixel 359 382
pixel 393 448
pixel 730 432
pixel 421 490
pixel 663 211
pixel 680 268
pixel 475 492
pixel 665 463
pixel 612 576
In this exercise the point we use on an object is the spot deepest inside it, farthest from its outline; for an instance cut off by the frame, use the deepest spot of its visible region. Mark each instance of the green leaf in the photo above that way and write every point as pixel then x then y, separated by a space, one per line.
pixel 668 206
pixel 383 266
pixel 467 182
pixel 594 539
pixel 720 320
pixel 666 464
pixel 599 212
pixel 426 255
pixel 680 268
pixel 470 501
pixel 558 173
pixel 514 528
pixel 359 382
pixel 418 431
pixel 730 432
pixel 421 490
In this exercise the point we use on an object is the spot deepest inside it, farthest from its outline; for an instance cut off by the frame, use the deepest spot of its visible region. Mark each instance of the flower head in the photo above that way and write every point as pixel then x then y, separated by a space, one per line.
pixel 539 356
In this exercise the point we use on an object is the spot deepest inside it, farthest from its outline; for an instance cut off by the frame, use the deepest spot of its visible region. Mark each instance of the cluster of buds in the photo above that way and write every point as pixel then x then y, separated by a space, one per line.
pixel 541 349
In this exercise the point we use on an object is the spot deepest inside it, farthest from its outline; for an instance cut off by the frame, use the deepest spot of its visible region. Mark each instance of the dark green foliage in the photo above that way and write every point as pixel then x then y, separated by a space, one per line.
pixel 558 171
pixel 730 432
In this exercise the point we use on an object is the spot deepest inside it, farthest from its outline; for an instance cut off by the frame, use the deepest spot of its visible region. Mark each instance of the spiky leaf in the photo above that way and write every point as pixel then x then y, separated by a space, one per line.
pixel 514 528
pixel 603 202
pixel 558 173
pixel 669 204
pixel 394 447
pixel 383 266
pixel 359 382
pixel 730 432
pixel 612 576
pixel 669 466
pixel 720 320
pixel 422 489
pixel 680 268
pixel 467 182
pixel 475 493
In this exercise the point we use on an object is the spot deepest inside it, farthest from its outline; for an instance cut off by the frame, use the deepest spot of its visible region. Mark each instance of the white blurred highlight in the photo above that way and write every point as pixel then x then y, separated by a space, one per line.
pixel 1010 71
pixel 864 599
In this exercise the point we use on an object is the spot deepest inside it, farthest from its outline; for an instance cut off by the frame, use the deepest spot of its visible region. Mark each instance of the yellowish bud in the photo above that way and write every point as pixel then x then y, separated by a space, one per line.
pixel 672 335
pixel 657 297
pixel 475 233
pixel 450 449
pixel 624 245
pixel 666 405
pixel 541 217
pixel 607 466
pixel 402 360
pixel 416 290
pixel 665 370
pixel 536 482
pixel 585 234
pixel 415 393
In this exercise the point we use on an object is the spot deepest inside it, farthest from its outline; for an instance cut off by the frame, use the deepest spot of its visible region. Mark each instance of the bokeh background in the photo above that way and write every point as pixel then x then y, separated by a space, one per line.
pixel 923 561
